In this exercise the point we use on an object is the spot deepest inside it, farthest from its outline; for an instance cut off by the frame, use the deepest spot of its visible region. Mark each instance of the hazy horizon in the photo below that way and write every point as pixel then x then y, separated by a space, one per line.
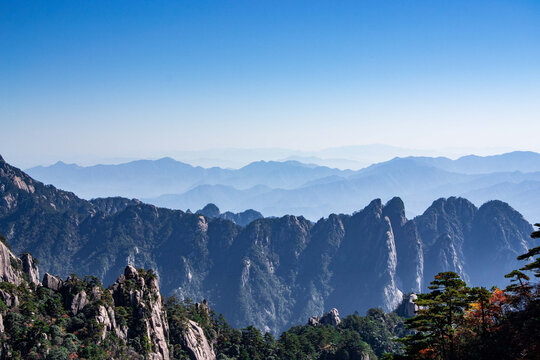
pixel 352 157
pixel 86 81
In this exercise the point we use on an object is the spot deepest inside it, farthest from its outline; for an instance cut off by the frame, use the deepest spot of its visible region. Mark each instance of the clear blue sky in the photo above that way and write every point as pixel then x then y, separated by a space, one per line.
pixel 143 79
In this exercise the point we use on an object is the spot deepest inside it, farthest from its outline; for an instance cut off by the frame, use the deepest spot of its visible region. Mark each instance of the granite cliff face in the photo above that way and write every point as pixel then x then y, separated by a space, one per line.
pixel 140 292
pixel 16 270
pixel 273 272
pixel 198 346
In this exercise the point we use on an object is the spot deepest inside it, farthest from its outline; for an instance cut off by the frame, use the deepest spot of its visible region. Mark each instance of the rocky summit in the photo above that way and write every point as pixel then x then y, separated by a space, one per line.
pixel 272 272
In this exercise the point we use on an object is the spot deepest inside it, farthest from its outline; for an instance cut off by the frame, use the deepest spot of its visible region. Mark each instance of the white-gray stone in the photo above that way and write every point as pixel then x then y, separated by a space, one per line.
pixel 197 343
pixel 52 282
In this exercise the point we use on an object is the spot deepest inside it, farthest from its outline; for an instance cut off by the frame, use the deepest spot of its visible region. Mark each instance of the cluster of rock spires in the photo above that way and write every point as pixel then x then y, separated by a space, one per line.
pixel 274 272
pixel 329 318
pixel 138 291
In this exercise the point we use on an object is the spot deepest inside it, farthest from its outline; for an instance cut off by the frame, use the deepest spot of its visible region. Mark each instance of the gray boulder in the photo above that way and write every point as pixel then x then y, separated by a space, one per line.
pixel 52 282
pixel 329 318
pixel 408 308
pixel 79 302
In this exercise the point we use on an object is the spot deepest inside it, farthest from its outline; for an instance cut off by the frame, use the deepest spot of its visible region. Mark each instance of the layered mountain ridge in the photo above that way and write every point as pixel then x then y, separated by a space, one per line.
pixel 291 187
pixel 273 272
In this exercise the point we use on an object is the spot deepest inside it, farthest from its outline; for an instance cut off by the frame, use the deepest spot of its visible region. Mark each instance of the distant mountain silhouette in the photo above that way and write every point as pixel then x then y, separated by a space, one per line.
pixel 524 161
pixel 243 218
pixel 291 187
pixel 414 181
pixel 151 178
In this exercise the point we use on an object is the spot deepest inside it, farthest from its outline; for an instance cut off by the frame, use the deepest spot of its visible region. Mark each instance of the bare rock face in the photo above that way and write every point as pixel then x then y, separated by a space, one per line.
pixel 10 266
pixel 408 308
pixel 197 344
pixel 130 272
pixel 30 267
pixel 52 282
pixel 79 302
pixel 329 318
pixel 314 321
pixel 105 316
pixel 140 291
pixel 12 269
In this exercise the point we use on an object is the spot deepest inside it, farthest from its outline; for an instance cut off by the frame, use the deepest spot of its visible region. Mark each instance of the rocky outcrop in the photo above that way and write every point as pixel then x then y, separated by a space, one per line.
pixel 330 318
pixel 408 308
pixel 30 267
pixel 203 307
pixel 146 323
pixel 141 293
pixel 78 303
pixel 52 282
pixel 13 269
pixel 196 343
pixel 410 261
pixel 106 317
pixel 10 266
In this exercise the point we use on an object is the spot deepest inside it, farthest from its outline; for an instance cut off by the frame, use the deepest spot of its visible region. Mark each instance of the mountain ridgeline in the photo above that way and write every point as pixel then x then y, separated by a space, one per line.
pixel 290 187
pixel 273 272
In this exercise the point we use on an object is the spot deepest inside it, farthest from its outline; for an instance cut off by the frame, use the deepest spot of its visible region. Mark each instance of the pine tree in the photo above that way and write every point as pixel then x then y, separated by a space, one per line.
pixel 535 265
pixel 440 313
pixel 481 297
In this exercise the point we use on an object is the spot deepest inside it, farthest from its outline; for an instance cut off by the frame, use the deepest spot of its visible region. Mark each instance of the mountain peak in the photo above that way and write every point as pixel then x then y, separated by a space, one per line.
pixel 166 159
pixel 374 206
pixel 395 210
pixel 395 204
pixel 210 210
pixel 496 209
